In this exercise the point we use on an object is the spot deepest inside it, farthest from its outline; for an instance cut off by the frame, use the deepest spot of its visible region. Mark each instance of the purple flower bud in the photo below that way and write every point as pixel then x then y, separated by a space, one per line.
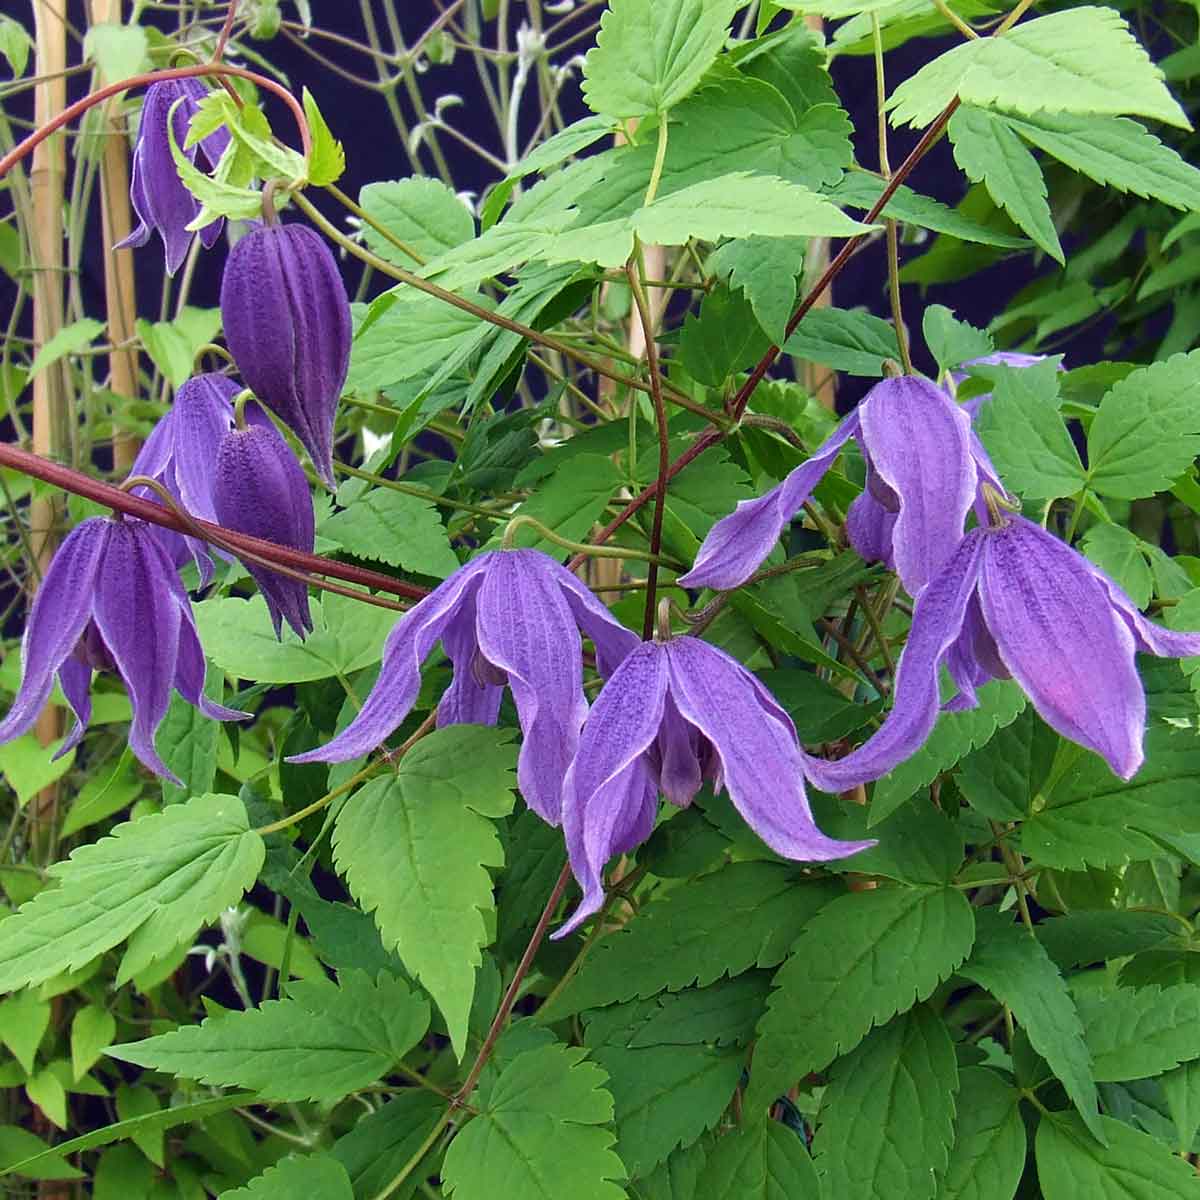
pixel 259 488
pixel 162 203
pixel 287 323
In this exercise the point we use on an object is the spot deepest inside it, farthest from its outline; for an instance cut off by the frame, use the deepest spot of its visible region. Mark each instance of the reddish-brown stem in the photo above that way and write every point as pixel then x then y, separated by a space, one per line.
pixel 81 106
pixel 226 30
pixel 112 497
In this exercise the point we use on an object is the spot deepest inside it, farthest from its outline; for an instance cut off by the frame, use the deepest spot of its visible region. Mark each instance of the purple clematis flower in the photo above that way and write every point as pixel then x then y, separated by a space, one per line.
pixel 508 617
pixel 111 601
pixel 1014 601
pixel 673 714
pixel 162 203
pixel 924 468
pixel 181 453
pixel 259 488
pixel 287 323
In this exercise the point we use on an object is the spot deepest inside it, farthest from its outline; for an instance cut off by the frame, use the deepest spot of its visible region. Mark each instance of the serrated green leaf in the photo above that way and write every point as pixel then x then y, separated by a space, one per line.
pixel 239 638
pixel 1136 1033
pixel 327 159
pixel 951 341
pixel 540 1131
pixel 887 1117
pixel 1115 152
pixel 988 151
pixel 415 847
pixel 384 1141
pixel 765 271
pixel 955 735
pixel 68 340
pixel 155 881
pixel 723 338
pixel 676 1179
pixel 988 1155
pixel 119 51
pixel 742 916
pixel 1080 938
pixel 1065 62
pixel 570 502
pixel 1130 1166
pixel 1001 779
pixel 393 527
pixel 217 197
pixel 1012 965
pixel 851 341
pixel 1026 437
pixel 189 744
pixel 324 1041
pixel 665 1097
pixel 1181 1087
pixel 93 1030
pixel 423 213
pixel 314 1176
pixel 859 961
pixel 649 54
pixel 761 1160
pixel 1147 431
pixel 1118 553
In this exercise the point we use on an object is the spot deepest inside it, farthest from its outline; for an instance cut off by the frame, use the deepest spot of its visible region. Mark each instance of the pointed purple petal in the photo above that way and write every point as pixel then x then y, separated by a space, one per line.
pixel 737 544
pixel 973 659
pixel 611 639
pixel 760 756
pixel 1064 643
pixel 139 620
pixel 395 691
pixel 57 619
pixel 203 414
pixel 919 443
pixel 937 619
pixel 677 751
pixel 869 529
pixel 1148 637
pixel 76 680
pixel 526 629
pixel 473 698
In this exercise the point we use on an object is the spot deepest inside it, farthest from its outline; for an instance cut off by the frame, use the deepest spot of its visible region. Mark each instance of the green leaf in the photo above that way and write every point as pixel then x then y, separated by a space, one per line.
pixel 722 339
pixel 17 1144
pixel 423 213
pixel 439 807
pixel 119 51
pixel 887 1116
pixel 189 741
pixel 988 1155
pixel 851 341
pixel 1080 938
pixel 324 1041
pixel 1118 553
pixel 676 1179
pixel 765 271
pixel 1137 1033
pixel 570 502
pixel 761 1160
pixel 384 1141
pixel 70 339
pixel 988 151
pixel 28 766
pixel 1147 431
pixel 649 54
pixel 217 197
pixel 155 881
pixel 744 915
pixel 103 794
pixel 1001 779
pixel 15 45
pixel 92 1032
pixel 1062 63
pixel 1114 152
pixel 1025 435
pixel 1181 1087
pixel 314 1176
pixel 950 341
pixel 540 1130
pixel 404 531
pixel 25 1158
pixel 172 345
pixel 1131 1165
pixel 327 160
pixel 858 962
pixel 665 1097
pixel 24 1019
pixel 1012 965
pixel 239 638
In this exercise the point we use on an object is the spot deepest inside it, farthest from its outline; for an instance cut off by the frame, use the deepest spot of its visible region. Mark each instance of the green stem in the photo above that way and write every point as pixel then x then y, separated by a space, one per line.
pixel 510 533
pixel 316 806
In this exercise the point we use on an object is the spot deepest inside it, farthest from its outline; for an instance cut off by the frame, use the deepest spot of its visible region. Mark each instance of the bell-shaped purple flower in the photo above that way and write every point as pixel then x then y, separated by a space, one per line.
pixel 111 600
pixel 259 488
pixel 287 324
pixel 673 714
pixel 162 203
pixel 924 468
pixel 1014 601
pixel 181 453
pixel 508 617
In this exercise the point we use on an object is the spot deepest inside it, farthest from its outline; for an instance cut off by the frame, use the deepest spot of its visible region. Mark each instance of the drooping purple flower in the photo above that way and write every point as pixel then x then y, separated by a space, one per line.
pixel 924 467
pixel 259 488
pixel 287 323
pixel 181 453
pixel 508 617
pixel 673 714
pixel 111 600
pixel 162 203
pixel 1014 601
